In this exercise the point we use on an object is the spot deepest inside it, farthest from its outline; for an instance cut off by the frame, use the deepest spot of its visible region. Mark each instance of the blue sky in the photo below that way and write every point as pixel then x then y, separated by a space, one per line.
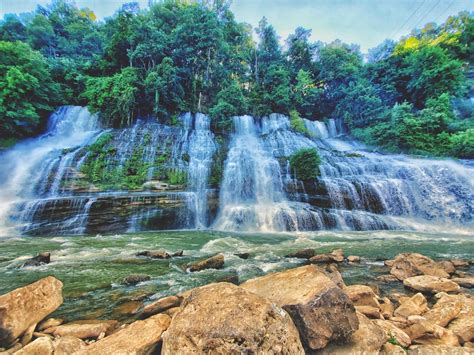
pixel 365 22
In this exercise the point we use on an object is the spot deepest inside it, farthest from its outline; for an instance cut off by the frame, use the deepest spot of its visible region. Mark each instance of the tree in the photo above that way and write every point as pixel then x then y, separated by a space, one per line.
pixel 230 102
pixel 27 93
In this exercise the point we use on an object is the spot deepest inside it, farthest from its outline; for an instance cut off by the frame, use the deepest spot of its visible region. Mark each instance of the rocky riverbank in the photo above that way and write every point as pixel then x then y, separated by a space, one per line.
pixel 420 306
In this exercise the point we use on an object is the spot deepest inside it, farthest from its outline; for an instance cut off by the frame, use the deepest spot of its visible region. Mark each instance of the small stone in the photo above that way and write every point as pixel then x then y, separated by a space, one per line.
pixel 215 262
pixel 302 254
pixel 386 307
pixel 244 256
pixel 321 259
pixel 387 278
pixel 178 254
pixel 459 263
pixel 353 259
pixel 392 331
pixel 135 279
pixel 392 349
pixel 447 266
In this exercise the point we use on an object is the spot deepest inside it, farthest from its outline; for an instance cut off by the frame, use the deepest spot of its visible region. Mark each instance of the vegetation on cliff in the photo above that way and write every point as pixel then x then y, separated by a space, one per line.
pixel 180 56
pixel 305 164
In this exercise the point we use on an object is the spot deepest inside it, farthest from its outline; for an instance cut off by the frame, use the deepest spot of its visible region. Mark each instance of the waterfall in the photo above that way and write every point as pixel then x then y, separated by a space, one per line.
pixel 201 150
pixel 39 164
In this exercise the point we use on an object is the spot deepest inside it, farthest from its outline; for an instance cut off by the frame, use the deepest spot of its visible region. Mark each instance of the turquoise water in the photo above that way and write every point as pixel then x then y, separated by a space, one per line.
pixel 93 267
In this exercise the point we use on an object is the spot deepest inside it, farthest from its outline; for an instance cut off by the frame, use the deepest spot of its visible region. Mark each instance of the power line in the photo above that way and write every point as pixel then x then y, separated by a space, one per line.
pixel 445 11
pixel 408 19
pixel 423 18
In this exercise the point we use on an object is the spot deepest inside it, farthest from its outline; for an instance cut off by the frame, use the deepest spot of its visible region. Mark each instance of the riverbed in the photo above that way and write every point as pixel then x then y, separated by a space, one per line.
pixel 93 267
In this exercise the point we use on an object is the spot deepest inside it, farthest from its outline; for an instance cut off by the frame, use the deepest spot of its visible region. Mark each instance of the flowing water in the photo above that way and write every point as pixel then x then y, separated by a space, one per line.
pixel 93 267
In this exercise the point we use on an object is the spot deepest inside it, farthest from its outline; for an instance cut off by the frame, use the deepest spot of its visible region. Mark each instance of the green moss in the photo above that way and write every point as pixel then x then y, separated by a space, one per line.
pixel 217 167
pixel 177 177
pixel 297 124
pixel 305 164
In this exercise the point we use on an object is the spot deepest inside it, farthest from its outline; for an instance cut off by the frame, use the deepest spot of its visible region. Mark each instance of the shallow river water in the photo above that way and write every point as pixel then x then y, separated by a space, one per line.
pixel 93 267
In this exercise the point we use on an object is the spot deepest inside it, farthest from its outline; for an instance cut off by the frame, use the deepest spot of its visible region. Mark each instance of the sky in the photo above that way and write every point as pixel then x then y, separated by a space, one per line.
pixel 364 22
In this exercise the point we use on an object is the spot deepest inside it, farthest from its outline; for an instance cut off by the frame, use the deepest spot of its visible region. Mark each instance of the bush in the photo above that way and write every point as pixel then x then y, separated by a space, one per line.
pixel 297 123
pixel 305 164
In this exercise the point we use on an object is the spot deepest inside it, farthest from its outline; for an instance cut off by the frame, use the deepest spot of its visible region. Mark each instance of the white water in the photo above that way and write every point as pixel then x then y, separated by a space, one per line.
pixel 24 166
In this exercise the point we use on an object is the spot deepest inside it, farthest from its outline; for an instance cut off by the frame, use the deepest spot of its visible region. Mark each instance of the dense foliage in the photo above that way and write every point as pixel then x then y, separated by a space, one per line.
pixel 179 55
pixel 305 164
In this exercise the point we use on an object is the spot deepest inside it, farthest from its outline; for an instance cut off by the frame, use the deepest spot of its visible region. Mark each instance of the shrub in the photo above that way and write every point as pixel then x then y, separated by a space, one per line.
pixel 297 123
pixel 305 164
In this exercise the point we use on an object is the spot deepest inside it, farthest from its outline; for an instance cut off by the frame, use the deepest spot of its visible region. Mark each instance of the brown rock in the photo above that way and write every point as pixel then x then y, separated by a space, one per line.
pixel 140 337
pixel 419 329
pixel 362 295
pixel 440 336
pixel 387 278
pixel 82 330
pixel 338 255
pixel 437 350
pixel 172 311
pixel 353 259
pixel 369 312
pixel 26 306
pixel 412 264
pixel 302 254
pixel 215 262
pixel 463 325
pixel 161 305
pixel 333 273
pixel 467 282
pixel 155 254
pixel 431 284
pixel 127 308
pixel 41 346
pixel 415 305
pixel 68 345
pixel 27 335
pixel 135 279
pixel 48 323
pixel 391 349
pixel 459 263
pixel 368 339
pixel 229 319
pixel 321 259
pixel 386 307
pixel 38 260
pixel 39 335
pixel 447 266
pixel 392 331
pixel 444 311
pixel 321 311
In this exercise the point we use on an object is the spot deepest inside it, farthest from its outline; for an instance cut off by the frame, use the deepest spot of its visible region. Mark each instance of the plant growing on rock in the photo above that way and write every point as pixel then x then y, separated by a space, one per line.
pixel 305 164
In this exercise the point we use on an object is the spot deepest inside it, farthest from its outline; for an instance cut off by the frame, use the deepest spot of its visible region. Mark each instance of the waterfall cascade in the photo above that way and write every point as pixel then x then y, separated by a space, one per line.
pixel 42 186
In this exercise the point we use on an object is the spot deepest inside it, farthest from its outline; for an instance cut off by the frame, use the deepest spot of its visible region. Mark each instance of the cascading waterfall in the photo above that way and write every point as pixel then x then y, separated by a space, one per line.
pixel 357 190
pixel 201 150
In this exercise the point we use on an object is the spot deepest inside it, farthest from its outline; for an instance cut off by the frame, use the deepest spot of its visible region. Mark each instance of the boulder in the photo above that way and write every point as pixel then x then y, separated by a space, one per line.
pixel 437 350
pixel 362 295
pixel 392 349
pixel 447 266
pixel 353 259
pixel 460 262
pixel 40 346
pixel 419 329
pixel 302 254
pixel 22 308
pixel 215 262
pixel 68 345
pixel 223 318
pixel 135 279
pixel 463 324
pixel 336 256
pixel 387 278
pixel 369 312
pixel 27 335
pixel 392 331
pixel 440 336
pixel 140 337
pixel 82 330
pixel 386 307
pixel 333 273
pixel 431 284
pixel 244 256
pixel 48 323
pixel 161 305
pixel 467 282
pixel 368 339
pixel 407 265
pixel 321 311
pixel 38 260
pixel 444 311
pixel 415 305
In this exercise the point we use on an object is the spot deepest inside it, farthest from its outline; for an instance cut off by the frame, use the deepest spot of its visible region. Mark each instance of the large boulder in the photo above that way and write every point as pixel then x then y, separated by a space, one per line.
pixel 431 284
pixel 215 262
pixel 321 311
pixel 407 265
pixel 392 331
pixel 161 305
pixel 444 311
pixel 26 306
pixel 68 345
pixel 368 339
pixel 83 330
pixel 41 346
pixel 140 337
pixel 463 324
pixel 362 295
pixel 223 318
